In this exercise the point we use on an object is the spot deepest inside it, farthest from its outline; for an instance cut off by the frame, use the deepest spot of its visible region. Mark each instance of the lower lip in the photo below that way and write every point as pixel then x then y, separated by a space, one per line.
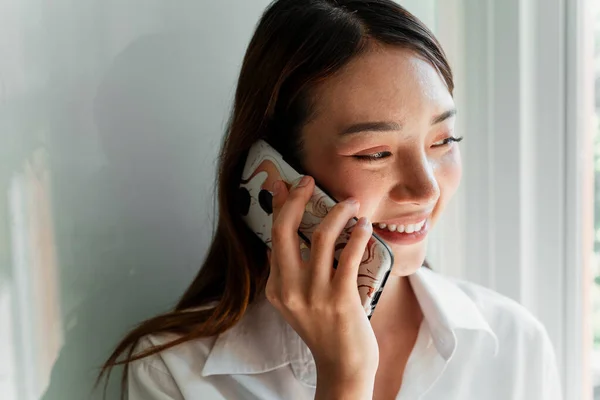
pixel 402 238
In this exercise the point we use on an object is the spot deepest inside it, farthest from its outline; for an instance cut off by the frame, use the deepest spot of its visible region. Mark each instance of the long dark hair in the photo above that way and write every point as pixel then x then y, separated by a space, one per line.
pixel 297 44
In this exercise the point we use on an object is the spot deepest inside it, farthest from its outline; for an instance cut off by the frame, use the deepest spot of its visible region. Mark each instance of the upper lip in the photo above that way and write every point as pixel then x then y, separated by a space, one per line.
pixel 406 220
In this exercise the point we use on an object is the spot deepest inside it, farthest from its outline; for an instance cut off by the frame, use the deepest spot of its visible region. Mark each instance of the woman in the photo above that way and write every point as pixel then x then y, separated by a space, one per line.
pixel 358 93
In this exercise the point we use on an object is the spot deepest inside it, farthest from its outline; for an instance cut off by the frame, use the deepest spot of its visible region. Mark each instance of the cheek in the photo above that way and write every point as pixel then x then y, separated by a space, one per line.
pixel 451 171
pixel 345 181
pixel 448 174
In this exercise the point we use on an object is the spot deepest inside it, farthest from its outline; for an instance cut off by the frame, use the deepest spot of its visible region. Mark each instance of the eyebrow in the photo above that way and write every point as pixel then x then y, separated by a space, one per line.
pixel 372 127
pixel 387 126
pixel 444 116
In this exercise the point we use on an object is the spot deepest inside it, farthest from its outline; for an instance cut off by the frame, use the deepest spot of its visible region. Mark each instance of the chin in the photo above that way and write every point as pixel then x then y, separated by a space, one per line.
pixel 408 259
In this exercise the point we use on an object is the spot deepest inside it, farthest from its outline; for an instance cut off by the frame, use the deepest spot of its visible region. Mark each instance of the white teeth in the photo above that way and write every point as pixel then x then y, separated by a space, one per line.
pixel 403 228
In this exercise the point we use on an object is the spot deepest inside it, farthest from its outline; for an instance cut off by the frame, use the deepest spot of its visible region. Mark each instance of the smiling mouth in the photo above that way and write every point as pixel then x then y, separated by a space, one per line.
pixel 402 234
pixel 408 228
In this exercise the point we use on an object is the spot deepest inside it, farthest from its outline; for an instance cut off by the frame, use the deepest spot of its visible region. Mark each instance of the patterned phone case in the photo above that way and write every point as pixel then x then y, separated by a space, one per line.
pixel 264 166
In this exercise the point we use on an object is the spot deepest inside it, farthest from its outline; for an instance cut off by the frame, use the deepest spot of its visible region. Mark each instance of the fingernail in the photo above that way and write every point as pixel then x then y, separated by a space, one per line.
pixel 277 187
pixel 302 182
pixel 351 201
pixel 364 222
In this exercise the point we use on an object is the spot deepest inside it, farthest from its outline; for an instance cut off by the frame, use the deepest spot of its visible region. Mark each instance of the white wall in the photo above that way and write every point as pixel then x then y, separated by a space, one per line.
pixel 111 112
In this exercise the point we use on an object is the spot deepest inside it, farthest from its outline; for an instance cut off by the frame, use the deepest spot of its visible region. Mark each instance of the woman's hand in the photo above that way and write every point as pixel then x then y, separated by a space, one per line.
pixel 321 303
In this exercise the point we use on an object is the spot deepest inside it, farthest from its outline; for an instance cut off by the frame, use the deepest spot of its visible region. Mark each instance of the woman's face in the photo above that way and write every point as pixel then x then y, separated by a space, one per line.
pixel 381 133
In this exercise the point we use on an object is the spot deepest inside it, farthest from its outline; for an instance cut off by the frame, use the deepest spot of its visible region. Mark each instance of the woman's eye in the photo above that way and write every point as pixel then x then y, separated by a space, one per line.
pixel 374 157
pixel 385 154
pixel 447 141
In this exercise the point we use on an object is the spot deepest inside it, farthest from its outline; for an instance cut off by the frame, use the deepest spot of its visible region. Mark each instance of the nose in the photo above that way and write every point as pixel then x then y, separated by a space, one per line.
pixel 415 181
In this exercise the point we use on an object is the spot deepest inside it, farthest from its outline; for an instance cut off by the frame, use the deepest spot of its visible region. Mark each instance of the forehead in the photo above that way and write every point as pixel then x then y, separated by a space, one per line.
pixel 386 83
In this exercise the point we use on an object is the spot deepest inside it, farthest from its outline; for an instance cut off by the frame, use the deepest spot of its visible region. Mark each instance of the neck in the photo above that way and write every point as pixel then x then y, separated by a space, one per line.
pixel 397 309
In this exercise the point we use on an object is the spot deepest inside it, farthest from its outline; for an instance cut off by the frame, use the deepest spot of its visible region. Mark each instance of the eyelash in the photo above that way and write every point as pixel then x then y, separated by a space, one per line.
pixel 384 154
pixel 449 140
pixel 374 157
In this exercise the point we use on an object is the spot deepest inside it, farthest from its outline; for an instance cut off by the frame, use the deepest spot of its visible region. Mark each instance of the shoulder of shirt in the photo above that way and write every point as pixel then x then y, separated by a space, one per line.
pixel 505 316
pixel 195 350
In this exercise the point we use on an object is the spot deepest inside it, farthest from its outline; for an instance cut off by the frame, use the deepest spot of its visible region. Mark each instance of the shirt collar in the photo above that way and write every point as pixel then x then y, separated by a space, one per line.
pixel 447 309
pixel 263 341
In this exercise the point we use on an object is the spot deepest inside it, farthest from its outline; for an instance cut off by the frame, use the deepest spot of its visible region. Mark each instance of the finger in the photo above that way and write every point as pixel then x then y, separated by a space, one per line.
pixel 346 273
pixel 288 209
pixel 280 194
pixel 273 287
pixel 324 237
pixel 298 195
pixel 274 274
pixel 272 267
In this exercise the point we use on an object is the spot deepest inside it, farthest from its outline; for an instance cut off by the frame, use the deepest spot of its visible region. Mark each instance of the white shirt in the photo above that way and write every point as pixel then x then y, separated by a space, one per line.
pixel 473 344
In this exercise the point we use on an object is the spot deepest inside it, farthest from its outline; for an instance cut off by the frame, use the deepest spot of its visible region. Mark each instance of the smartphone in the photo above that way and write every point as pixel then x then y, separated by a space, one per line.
pixel 264 166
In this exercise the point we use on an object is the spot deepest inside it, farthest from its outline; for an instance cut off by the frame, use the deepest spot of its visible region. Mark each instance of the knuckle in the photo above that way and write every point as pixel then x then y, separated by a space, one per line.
pixel 297 192
pixel 270 294
pixel 339 306
pixel 321 234
pixel 291 300
pixel 271 288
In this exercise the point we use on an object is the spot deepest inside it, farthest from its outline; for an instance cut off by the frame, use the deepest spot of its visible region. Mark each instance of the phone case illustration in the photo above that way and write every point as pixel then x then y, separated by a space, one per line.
pixel 264 166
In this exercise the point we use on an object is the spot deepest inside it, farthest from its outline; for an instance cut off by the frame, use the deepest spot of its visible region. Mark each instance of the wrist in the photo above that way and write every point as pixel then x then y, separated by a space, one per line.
pixel 333 385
